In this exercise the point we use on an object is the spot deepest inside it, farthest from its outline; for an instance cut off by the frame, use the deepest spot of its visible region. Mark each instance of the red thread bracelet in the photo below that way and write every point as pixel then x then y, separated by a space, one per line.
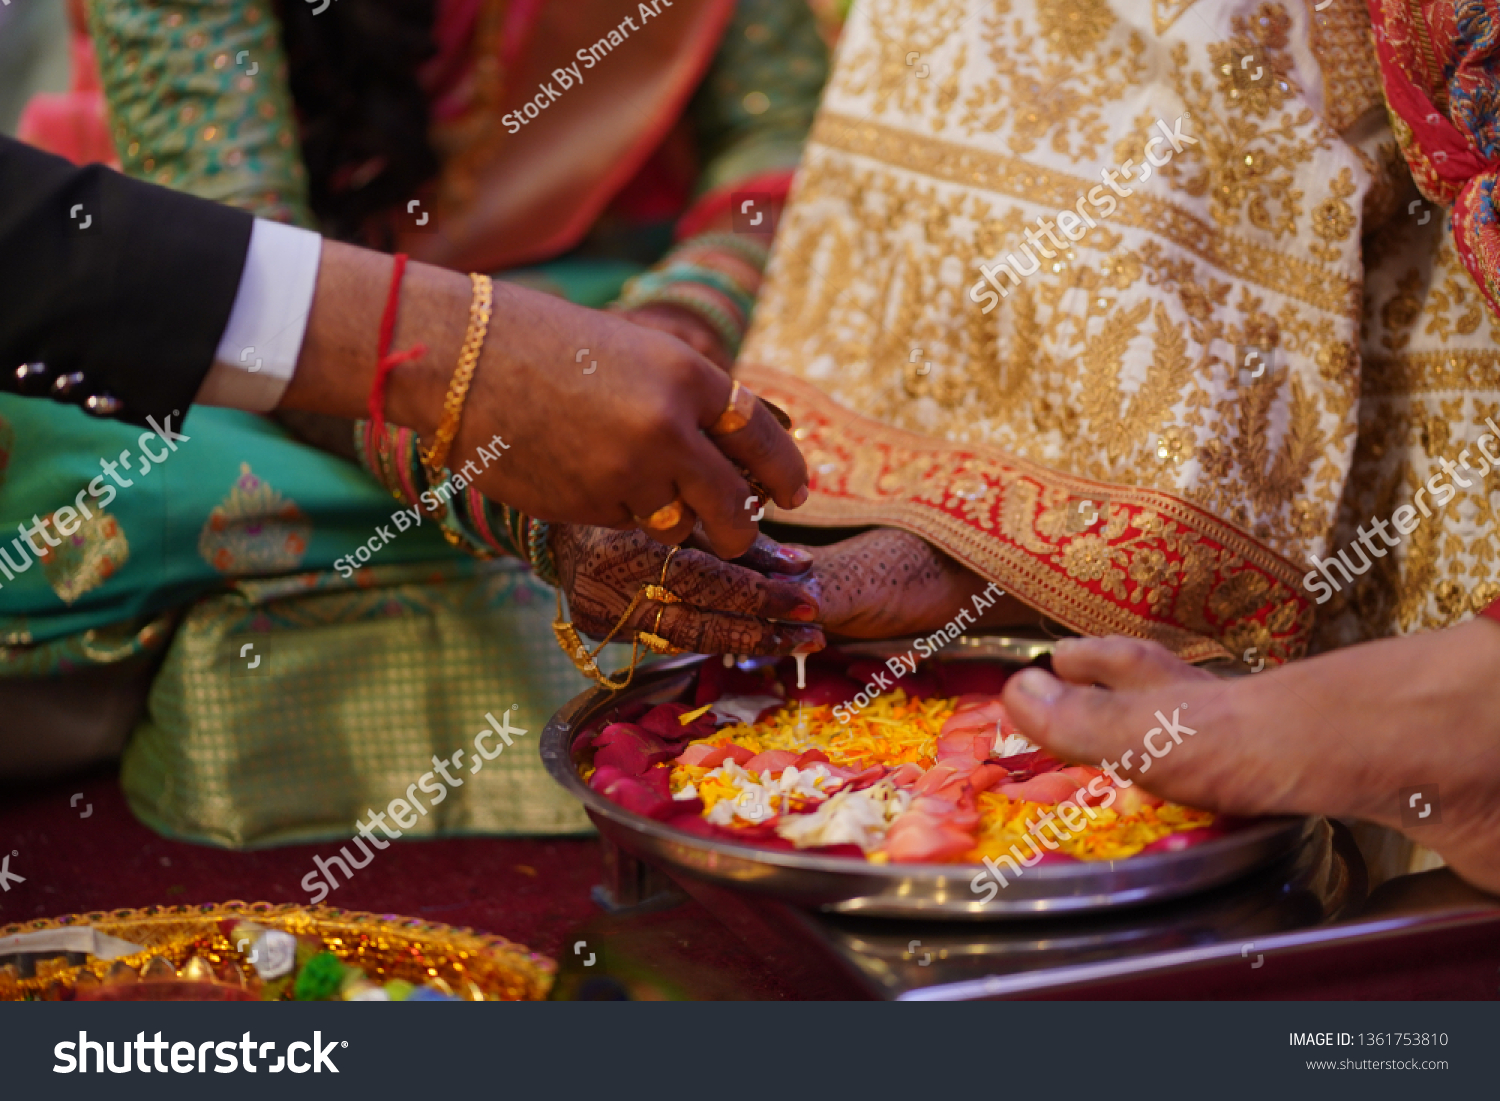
pixel 388 360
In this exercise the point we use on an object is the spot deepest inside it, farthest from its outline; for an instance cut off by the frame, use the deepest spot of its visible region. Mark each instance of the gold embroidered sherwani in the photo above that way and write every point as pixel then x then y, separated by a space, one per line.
pixel 1258 349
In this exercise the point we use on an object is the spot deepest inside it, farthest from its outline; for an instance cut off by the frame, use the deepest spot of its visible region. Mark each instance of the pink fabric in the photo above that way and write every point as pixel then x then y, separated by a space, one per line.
pixel 72 124
pixel 448 77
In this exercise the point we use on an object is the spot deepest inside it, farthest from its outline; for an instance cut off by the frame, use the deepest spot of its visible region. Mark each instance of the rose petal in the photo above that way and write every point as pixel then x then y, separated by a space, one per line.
pixel 826 684
pixel 636 796
pixel 604 777
pixel 1130 800
pixel 746 709
pixel 975 713
pixel 736 753
pixel 868 778
pixel 864 670
pixel 659 779
pixel 987 776
pixel 630 748
pixel 1032 764
pixel 922 685
pixel 662 720
pixel 906 775
pixel 916 839
pixel 1049 788
pixel 773 760
pixel 960 678
pixel 1176 842
pixel 716 682
pixel 694 754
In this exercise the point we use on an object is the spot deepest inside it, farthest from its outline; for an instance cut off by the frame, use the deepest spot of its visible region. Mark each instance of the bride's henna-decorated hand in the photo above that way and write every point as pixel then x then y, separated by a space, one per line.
pixel 889 583
pixel 1351 733
pixel 752 605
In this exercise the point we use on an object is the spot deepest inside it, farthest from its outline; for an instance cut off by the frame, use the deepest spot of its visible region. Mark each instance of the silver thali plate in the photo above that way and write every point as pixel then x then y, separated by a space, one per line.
pixel 929 891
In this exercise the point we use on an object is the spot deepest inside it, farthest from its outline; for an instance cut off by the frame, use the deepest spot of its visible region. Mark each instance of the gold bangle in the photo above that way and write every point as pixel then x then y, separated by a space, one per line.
pixel 434 457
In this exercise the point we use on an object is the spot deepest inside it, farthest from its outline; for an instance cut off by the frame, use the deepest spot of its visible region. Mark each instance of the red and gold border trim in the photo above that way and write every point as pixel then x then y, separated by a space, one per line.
pixel 1142 563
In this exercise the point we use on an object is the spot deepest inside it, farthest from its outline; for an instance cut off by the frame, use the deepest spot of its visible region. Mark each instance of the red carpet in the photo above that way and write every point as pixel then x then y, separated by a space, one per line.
pixel 532 891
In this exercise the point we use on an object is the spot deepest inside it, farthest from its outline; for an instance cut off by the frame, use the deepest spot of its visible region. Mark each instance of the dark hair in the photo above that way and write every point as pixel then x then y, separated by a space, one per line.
pixel 362 113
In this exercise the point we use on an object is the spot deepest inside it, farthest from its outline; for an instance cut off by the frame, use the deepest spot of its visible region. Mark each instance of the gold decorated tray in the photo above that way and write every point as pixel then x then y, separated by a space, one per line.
pixel 185 953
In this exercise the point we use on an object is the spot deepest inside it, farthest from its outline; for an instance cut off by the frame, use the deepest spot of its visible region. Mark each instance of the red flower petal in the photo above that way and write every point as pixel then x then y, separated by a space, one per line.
pixel 662 721
pixel 630 749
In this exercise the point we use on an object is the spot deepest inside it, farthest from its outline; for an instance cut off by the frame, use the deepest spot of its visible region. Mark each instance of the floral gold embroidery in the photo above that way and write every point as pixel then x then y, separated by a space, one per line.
pixel 1227 584
pixel 254 530
pixel 1031 93
pixel 87 558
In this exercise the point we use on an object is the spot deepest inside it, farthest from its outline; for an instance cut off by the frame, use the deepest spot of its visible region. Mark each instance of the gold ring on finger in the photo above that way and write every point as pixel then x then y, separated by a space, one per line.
pixel 658 645
pixel 737 413
pixel 662 581
pixel 653 641
pixel 665 518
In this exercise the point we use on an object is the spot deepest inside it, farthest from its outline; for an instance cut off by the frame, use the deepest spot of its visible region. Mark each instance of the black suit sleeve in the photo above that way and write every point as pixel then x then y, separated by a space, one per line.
pixel 123 283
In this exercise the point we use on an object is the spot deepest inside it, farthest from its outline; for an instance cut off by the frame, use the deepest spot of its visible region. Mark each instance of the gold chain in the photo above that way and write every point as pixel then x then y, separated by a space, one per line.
pixel 434 457
pixel 572 643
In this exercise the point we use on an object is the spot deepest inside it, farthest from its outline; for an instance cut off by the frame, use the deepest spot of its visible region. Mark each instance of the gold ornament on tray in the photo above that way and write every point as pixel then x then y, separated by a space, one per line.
pixel 203 953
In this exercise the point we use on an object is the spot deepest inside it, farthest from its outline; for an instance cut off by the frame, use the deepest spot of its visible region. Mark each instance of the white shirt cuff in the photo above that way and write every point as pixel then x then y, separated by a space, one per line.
pixel 258 352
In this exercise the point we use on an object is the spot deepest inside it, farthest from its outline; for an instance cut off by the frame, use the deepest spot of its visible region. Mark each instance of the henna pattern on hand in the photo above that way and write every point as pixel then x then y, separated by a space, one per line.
pixel 890 583
pixel 726 608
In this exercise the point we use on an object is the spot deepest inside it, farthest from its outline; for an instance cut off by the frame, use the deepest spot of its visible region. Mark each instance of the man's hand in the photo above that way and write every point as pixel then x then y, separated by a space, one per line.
pixel 1340 734
pixel 601 420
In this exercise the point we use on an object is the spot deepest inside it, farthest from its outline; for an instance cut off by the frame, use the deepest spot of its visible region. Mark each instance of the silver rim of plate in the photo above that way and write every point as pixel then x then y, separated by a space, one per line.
pixel 941 891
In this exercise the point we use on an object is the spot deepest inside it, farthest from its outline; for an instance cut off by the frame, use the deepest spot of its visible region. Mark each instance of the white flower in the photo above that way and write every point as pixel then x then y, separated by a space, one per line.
pixel 1011 745
pixel 762 798
pixel 848 818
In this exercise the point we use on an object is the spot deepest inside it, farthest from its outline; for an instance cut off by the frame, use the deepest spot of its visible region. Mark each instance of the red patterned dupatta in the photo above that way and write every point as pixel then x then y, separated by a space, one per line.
pixel 1438 63
pixel 1100 559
